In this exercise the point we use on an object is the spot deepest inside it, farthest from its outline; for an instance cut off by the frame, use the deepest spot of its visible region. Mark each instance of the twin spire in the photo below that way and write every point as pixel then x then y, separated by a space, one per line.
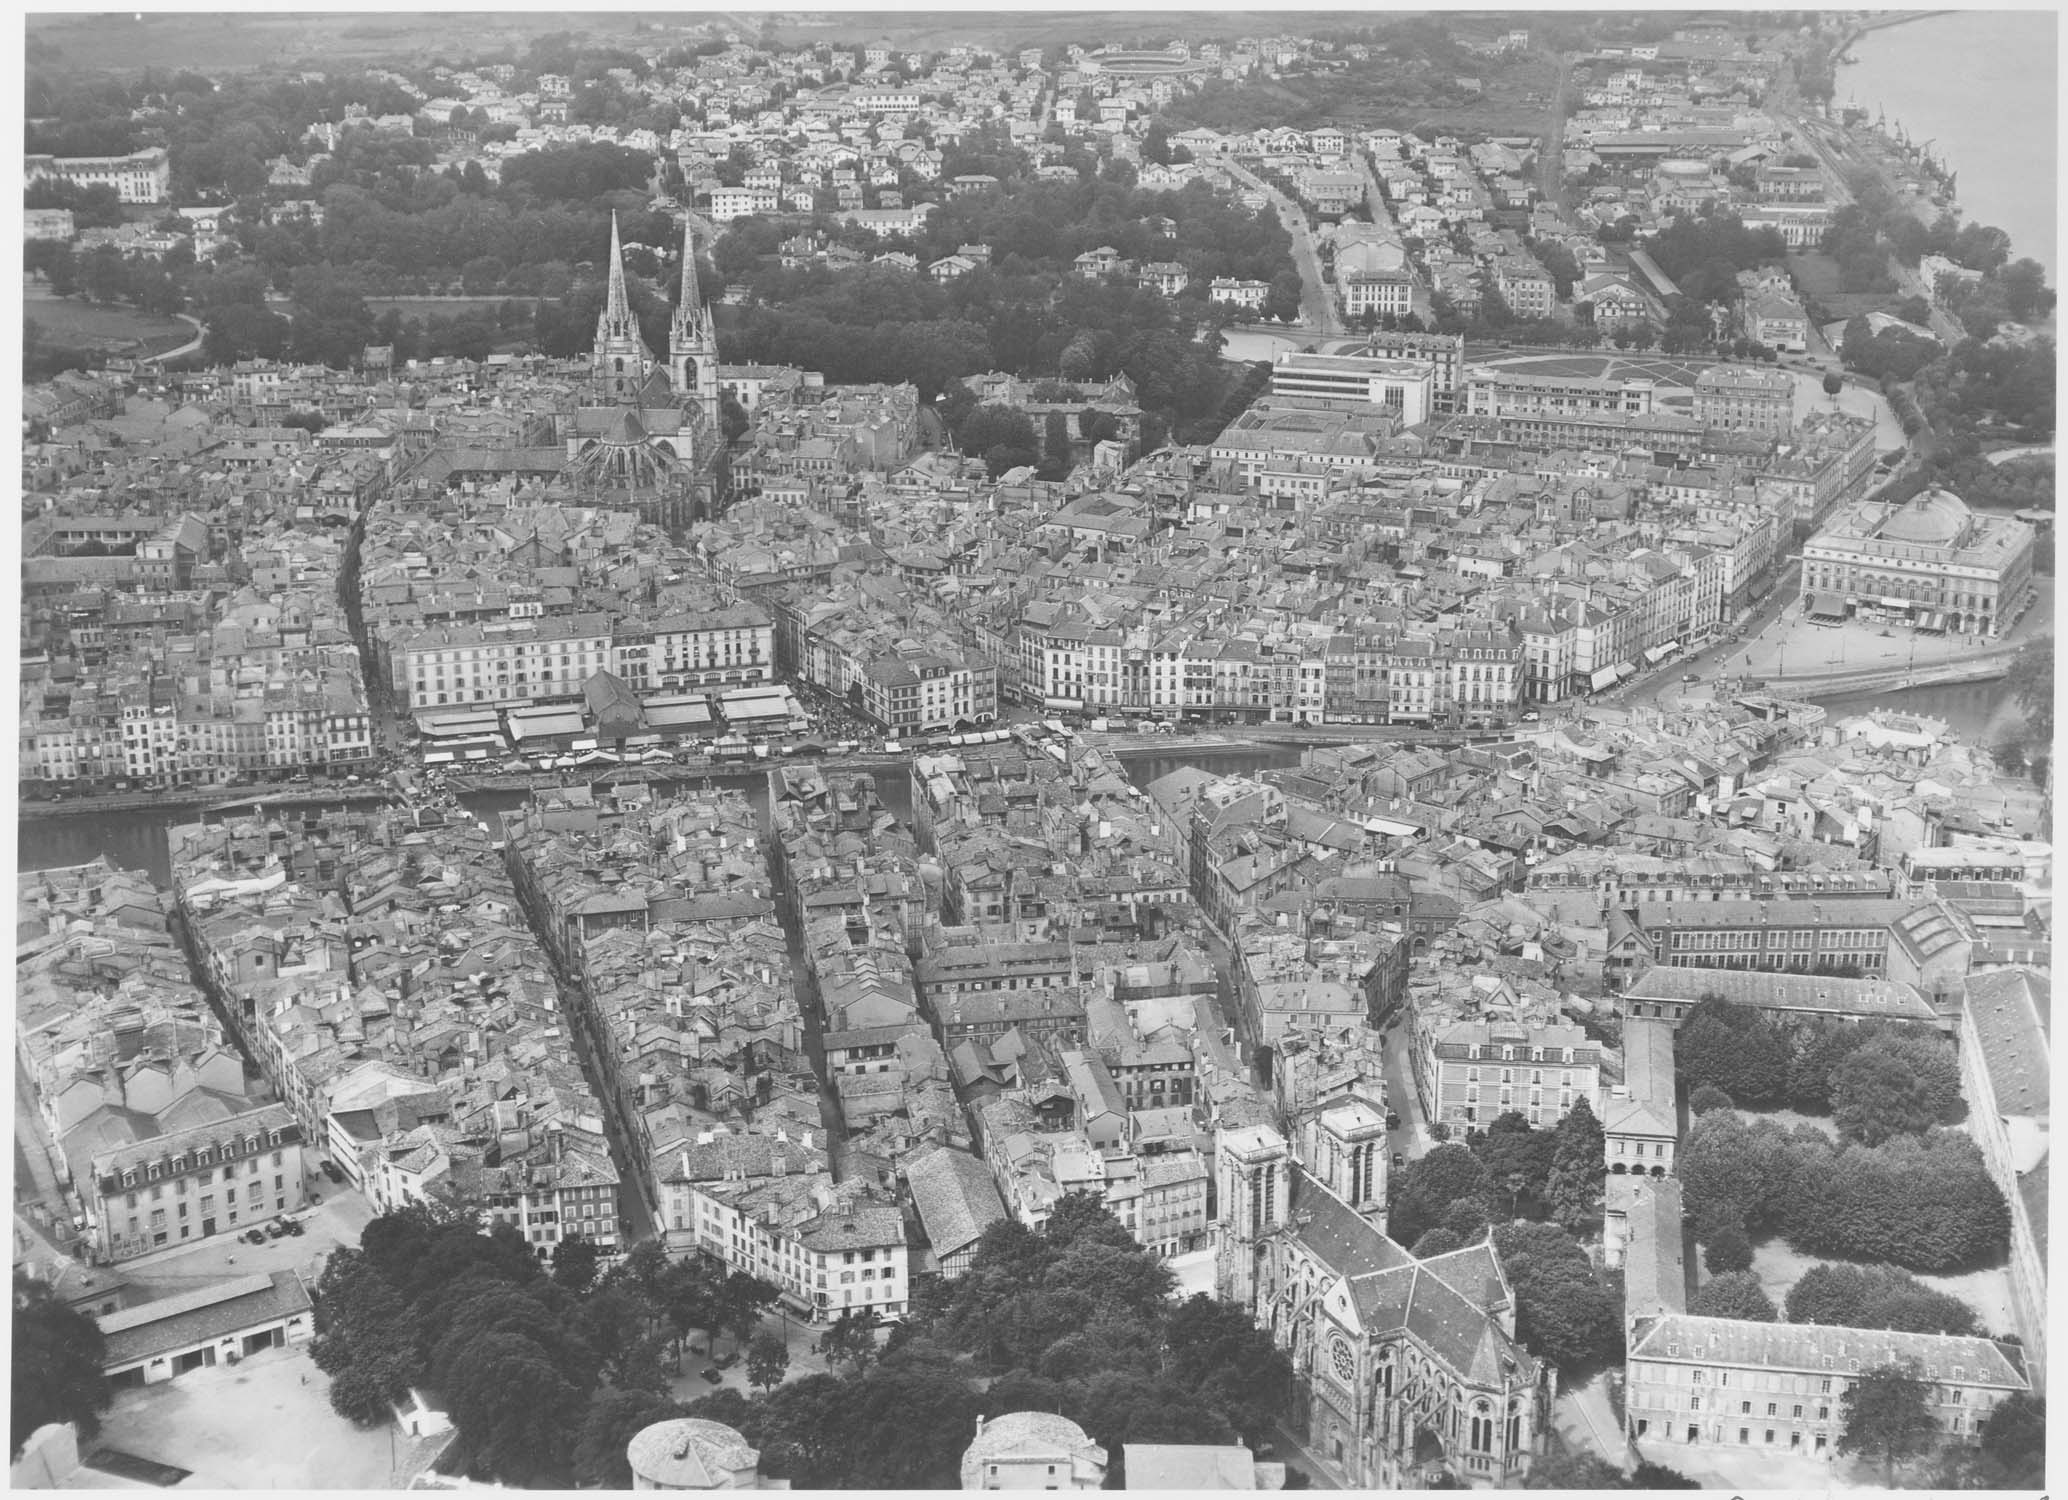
pixel 621 358
pixel 616 326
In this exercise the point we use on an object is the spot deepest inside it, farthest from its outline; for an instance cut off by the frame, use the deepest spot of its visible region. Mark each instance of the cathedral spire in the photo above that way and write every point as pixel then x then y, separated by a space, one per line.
pixel 617 307
pixel 693 340
pixel 620 360
pixel 691 302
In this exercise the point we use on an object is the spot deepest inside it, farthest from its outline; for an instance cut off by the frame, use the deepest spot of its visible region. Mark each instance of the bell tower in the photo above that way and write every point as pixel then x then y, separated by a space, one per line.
pixel 1253 1186
pixel 619 361
pixel 693 342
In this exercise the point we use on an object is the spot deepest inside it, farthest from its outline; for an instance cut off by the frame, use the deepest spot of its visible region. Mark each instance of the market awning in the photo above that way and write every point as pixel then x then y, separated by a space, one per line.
pixel 1825 606
pixel 1897 604
pixel 1626 669
pixel 1932 622
pixel 1655 654
pixel 1605 677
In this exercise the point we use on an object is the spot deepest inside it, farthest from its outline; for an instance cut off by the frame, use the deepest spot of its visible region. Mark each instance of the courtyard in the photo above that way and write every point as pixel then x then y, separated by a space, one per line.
pixel 264 1423
pixel 1779 1266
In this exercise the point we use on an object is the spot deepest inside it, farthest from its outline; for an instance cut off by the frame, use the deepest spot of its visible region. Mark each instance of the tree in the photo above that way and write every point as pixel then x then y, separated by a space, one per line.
pixel 364 1340
pixel 852 1338
pixel 1707 1097
pixel 1734 1294
pixel 1565 1469
pixel 2013 1446
pixel 768 1357
pixel 742 1299
pixel 1887 1415
pixel 1579 1167
pixel 1848 1296
pixel 1729 1251
pixel 613 1419
pixel 1431 1184
pixel 1735 1047
pixel 55 1375
pixel 1833 383
pixel 1875 1096
pixel 574 1263
pixel 2031 681
pixel 1563 1309
pixel 513 1408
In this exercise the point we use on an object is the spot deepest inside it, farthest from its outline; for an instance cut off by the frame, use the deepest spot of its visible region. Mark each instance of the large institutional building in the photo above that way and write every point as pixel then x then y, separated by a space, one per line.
pixel 140 177
pixel 1930 562
pixel 1405 1370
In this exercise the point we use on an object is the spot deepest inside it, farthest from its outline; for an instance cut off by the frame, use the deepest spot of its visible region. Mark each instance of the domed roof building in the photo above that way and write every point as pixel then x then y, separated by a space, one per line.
pixel 1931 563
pixel 1032 1450
pixel 688 1453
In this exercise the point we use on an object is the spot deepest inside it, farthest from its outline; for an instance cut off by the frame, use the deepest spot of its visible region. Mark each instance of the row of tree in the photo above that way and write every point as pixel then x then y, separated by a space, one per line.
pixel 518 1355
pixel 1922 1202
pixel 1878 1078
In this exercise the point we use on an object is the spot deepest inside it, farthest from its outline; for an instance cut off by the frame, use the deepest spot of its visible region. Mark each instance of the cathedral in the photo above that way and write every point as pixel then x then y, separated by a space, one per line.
pixel 1406 1372
pixel 646 434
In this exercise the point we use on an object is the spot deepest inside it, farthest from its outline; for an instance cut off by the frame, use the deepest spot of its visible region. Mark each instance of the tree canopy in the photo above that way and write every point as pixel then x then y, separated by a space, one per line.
pixel 55 1374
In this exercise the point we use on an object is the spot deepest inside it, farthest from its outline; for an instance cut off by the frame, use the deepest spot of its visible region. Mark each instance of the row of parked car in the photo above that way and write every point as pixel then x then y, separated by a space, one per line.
pixel 278 1229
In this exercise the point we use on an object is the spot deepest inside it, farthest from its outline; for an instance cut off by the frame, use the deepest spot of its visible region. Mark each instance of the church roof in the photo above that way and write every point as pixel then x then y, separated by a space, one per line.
pixel 1337 1235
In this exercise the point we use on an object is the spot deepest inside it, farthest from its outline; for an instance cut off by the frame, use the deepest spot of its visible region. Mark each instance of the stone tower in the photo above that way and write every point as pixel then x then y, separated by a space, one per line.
pixel 693 343
pixel 619 361
pixel 1253 1184
pixel 1343 1146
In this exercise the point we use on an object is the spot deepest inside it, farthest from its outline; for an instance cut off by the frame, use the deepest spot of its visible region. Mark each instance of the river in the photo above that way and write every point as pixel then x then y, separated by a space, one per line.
pixel 1975 711
pixel 1981 86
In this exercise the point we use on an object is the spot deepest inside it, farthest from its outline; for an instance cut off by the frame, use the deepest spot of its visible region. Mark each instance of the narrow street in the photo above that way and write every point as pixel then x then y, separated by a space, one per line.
pixel 1317 302
pixel 1551 159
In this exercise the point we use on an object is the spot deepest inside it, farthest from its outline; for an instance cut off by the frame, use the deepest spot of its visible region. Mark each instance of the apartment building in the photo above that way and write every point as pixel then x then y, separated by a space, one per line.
pixel 828 1251
pixel 1746 398
pixel 188 1185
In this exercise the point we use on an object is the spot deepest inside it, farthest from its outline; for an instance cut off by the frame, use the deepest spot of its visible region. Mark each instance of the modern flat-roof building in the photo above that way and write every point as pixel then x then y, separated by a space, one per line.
pixel 1494 392
pixel 1443 353
pixel 1403 387
pixel 1930 562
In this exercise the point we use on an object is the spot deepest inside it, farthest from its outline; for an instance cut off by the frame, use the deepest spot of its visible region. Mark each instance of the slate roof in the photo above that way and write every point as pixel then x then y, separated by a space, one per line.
pixel 2011 1012
pixel 955 1197
pixel 1818 1348
pixel 1342 1239
pixel 135 1334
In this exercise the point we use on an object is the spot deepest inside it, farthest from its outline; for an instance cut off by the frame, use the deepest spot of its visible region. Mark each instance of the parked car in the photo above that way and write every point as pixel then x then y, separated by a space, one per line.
pixel 294 1226
pixel 332 1171
pixel 710 1373
pixel 275 1230
pixel 729 1361
pixel 1399 1161
pixel 1392 1119
pixel 1690 677
pixel 253 1236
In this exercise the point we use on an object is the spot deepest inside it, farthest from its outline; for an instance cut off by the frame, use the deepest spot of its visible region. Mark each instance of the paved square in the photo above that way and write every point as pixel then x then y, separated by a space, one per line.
pixel 262 1424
